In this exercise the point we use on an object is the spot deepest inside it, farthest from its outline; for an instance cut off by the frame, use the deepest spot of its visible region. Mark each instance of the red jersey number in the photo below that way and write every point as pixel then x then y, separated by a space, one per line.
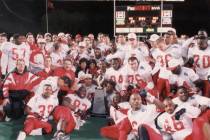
pixel 205 61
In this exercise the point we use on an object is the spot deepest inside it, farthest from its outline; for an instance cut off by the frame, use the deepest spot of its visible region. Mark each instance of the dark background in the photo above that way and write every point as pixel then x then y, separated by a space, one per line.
pixel 22 16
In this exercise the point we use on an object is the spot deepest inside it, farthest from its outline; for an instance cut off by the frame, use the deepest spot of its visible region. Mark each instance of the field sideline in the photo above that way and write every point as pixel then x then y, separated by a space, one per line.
pixel 90 131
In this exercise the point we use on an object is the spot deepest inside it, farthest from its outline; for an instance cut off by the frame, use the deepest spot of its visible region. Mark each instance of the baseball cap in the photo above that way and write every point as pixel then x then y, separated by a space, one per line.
pixel 81 44
pixel 81 76
pixel 87 76
pixel 61 34
pixel 78 36
pixel 47 34
pixel 41 40
pixel 132 36
pixel 154 37
pixel 173 63
pixel 171 31
pixel 119 55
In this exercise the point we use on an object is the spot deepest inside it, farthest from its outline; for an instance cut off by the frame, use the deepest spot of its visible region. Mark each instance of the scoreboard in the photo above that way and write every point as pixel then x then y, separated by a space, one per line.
pixel 143 18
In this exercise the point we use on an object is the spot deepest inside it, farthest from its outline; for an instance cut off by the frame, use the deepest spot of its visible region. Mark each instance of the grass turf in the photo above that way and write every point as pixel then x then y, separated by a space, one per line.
pixel 90 131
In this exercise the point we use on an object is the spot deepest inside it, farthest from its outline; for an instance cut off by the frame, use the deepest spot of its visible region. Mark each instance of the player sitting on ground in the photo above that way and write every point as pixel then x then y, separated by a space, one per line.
pixel 176 121
pixel 38 109
pixel 141 119
pixel 81 105
pixel 200 124
pixel 64 118
pixel 118 112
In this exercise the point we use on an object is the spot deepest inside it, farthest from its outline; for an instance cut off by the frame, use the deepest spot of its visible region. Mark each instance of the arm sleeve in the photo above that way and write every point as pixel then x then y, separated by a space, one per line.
pixel 193 75
pixel 149 81
pixel 4 58
pixel 28 53
pixel 190 54
pixel 192 112
pixel 31 103
pixel 186 44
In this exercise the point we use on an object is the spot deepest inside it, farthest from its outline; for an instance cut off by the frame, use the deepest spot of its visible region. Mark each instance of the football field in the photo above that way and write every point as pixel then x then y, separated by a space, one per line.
pixel 90 131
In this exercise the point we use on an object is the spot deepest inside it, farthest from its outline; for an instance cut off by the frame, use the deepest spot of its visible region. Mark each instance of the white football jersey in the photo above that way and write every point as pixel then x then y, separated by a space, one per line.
pixel 181 128
pixel 141 76
pixel 194 100
pixel 187 76
pixel 52 80
pixel 201 61
pixel 103 47
pixel 49 47
pixel 145 115
pixel 137 52
pixel 122 47
pixel 42 106
pixel 81 104
pixel 163 57
pixel 117 115
pixel 117 76
pixel 64 49
pixel 11 53
pixel 90 91
pixel 57 59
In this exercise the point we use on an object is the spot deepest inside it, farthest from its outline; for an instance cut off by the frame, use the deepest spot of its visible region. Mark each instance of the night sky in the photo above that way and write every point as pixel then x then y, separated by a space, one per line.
pixel 84 17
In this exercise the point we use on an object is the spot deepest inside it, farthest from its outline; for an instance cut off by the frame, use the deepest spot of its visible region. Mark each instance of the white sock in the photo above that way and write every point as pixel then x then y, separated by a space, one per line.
pixel 59 125
pixel 21 136
pixel 36 132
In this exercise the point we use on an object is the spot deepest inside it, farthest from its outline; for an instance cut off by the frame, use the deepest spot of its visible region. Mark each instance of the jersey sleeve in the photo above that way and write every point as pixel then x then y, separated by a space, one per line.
pixel 202 100
pixel 55 102
pixel 88 104
pixel 176 51
pixel 190 53
pixel 28 53
pixel 106 75
pixel 192 112
pixel 185 46
pixel 5 57
pixel 32 102
pixel 159 121
pixel 193 75
pixel 152 108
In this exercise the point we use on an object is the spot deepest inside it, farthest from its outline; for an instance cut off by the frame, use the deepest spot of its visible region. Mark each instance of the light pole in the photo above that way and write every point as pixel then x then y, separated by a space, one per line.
pixel 114 14
pixel 161 17
pixel 46 15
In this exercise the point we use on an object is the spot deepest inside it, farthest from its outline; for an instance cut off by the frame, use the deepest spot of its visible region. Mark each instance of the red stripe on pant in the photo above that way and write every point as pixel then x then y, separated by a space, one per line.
pixel 34 123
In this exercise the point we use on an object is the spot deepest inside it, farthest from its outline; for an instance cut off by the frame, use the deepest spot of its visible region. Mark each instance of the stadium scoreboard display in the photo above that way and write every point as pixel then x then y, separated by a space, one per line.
pixel 143 18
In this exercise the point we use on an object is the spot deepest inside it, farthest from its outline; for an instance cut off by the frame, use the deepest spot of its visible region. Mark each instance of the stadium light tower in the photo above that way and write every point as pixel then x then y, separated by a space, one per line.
pixel 161 16
pixel 46 14
pixel 114 9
